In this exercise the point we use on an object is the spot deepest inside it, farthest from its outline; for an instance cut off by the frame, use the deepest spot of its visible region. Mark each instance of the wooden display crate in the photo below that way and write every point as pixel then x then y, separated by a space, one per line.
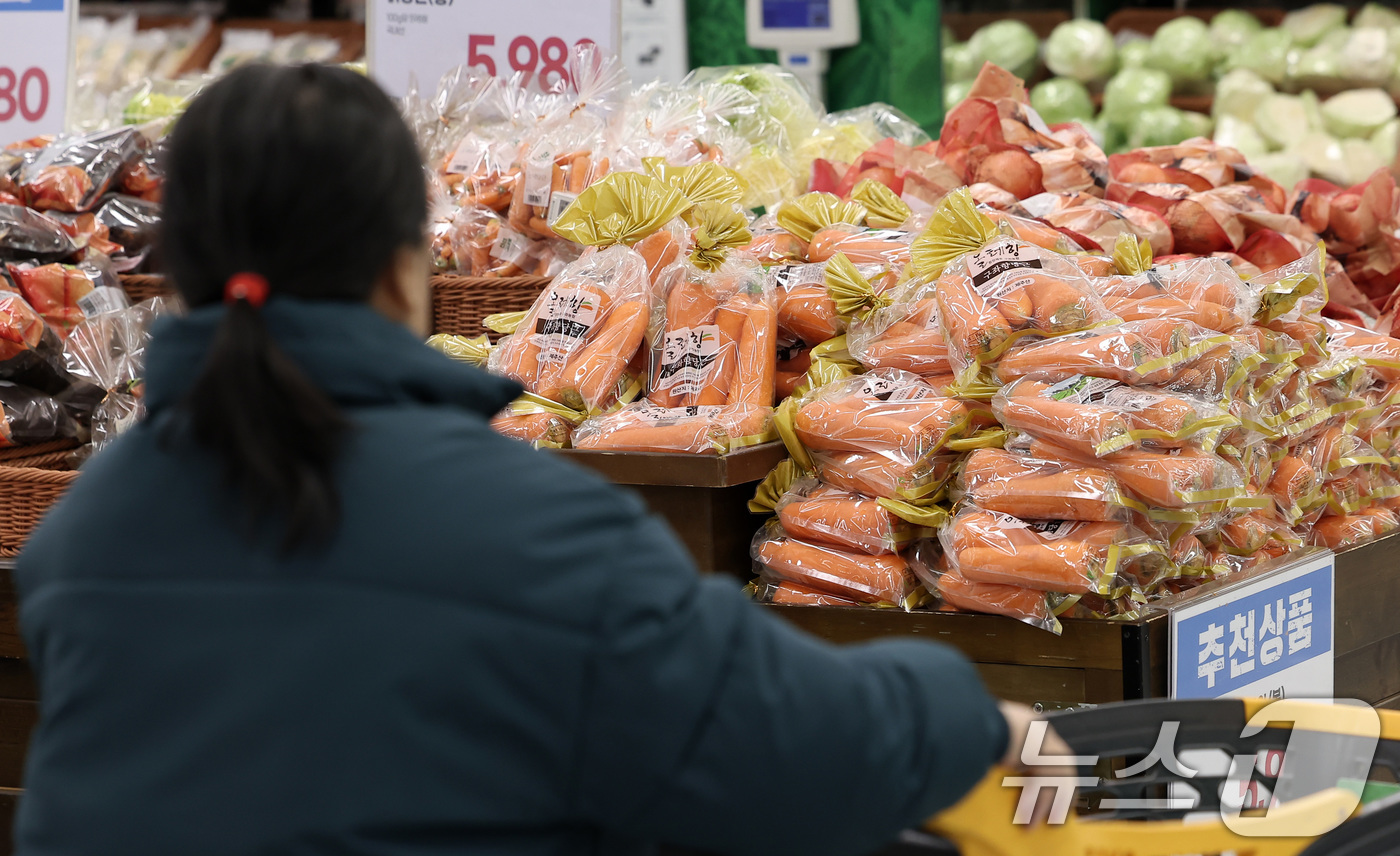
pixel 1096 661
pixel 704 497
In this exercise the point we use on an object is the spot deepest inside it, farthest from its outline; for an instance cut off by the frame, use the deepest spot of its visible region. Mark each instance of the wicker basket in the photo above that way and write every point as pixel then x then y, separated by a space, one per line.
pixel 141 287
pixel 29 486
pixel 461 302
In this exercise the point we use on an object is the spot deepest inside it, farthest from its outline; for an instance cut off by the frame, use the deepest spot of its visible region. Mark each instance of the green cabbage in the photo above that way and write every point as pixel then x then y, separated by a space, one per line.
pixel 1182 48
pixel 1166 126
pixel 1376 15
pixel 960 63
pixel 1133 90
pixel 1232 27
pixel 1239 92
pixel 1286 169
pixel 1061 99
pixel 1309 25
pixel 955 92
pixel 1265 54
pixel 1240 136
pixel 1133 52
pixel 1082 50
pixel 1282 119
pixel 1365 59
pixel 1010 44
pixel 1358 113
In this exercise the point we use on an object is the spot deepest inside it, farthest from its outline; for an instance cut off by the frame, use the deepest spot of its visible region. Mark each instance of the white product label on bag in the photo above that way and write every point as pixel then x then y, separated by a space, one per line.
pixel 689 358
pixel 558 203
pixel 1052 530
pixel 990 262
pixel 794 276
pixel 1101 392
pixel 102 299
pixel 564 322
pixel 511 246
pixel 539 178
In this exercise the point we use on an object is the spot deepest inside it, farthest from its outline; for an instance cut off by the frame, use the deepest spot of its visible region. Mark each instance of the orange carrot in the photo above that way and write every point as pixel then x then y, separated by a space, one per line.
pixel 1114 354
pixel 1016 602
pixel 715 389
pixel 856 424
pixel 792 594
pixel 845 520
pixel 1086 428
pixel 660 250
pixel 1211 316
pixel 777 248
pixel 539 429
pixel 862 248
pixel 593 372
pixel 874 474
pixel 755 359
pixel 808 312
pixel 974 328
pixel 871 579
pixel 998 480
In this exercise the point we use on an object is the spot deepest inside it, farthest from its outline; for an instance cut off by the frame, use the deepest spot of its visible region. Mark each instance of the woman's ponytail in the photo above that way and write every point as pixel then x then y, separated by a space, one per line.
pixel 299 181
pixel 276 435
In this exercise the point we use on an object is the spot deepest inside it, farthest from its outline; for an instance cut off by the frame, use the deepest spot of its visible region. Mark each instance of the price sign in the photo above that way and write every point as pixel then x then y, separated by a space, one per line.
pixel 34 64
pixel 427 38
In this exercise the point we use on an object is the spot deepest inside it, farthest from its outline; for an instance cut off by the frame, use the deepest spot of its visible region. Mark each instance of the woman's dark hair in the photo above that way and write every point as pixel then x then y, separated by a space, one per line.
pixel 307 176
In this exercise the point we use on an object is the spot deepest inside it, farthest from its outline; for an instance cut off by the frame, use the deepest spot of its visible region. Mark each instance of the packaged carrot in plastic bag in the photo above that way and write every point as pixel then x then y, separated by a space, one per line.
pixel 576 342
pixel 886 412
pixel 1203 291
pixel 822 514
pixel 1032 232
pixel 1350 530
pixel 1378 352
pixel 647 427
pixel 1293 289
pixel 1135 352
pixel 1177 479
pixel 995 290
pixel 905 335
pixel 774 245
pixel 858 576
pixel 717 341
pixel 1066 414
pixel 769 589
pixel 27 234
pixel 1027 605
pixel 874 474
pixel 1031 488
pixel 817 301
pixel 28 416
pixel 1060 556
pixel 541 423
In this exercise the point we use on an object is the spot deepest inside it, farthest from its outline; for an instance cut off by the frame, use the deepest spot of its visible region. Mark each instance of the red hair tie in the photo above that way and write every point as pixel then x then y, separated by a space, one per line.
pixel 251 287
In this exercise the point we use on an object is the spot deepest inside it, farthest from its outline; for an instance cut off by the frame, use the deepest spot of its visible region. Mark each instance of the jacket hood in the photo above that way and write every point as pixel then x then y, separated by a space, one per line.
pixel 359 357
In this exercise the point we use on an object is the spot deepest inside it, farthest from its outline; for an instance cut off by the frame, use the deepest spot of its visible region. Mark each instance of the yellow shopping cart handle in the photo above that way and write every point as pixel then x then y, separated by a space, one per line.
pixel 981 825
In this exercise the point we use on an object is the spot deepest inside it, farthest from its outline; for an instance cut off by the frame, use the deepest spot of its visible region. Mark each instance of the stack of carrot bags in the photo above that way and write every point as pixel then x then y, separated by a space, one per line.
pixel 1013 375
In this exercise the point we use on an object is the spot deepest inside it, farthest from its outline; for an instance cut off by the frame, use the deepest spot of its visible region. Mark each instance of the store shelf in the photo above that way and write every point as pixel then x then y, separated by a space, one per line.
pixel 1097 661
pixel 681 470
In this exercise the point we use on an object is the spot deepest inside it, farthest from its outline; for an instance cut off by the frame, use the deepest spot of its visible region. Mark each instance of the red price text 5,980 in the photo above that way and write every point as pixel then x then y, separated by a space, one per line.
pixel 23 92
pixel 548 57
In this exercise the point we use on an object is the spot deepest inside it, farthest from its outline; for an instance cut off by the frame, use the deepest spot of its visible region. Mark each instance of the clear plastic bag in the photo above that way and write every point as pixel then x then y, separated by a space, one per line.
pixel 1033 488
pixel 1026 605
pixel 1006 291
pixel 877 475
pixel 73 173
pixel 646 427
pixel 27 234
pixel 887 412
pixel 28 416
pixel 108 351
pixel 868 579
pixel 1068 557
pixel 1179 479
pixel 1204 291
pixel 769 589
pixel 577 340
pixel 822 514
pixel 64 295
pixel 132 222
pixel 905 335
pixel 1136 352
pixel 717 343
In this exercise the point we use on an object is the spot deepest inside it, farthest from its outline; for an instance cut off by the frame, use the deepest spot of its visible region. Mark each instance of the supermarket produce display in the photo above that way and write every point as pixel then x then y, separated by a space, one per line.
pixel 74 213
pixel 1013 374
